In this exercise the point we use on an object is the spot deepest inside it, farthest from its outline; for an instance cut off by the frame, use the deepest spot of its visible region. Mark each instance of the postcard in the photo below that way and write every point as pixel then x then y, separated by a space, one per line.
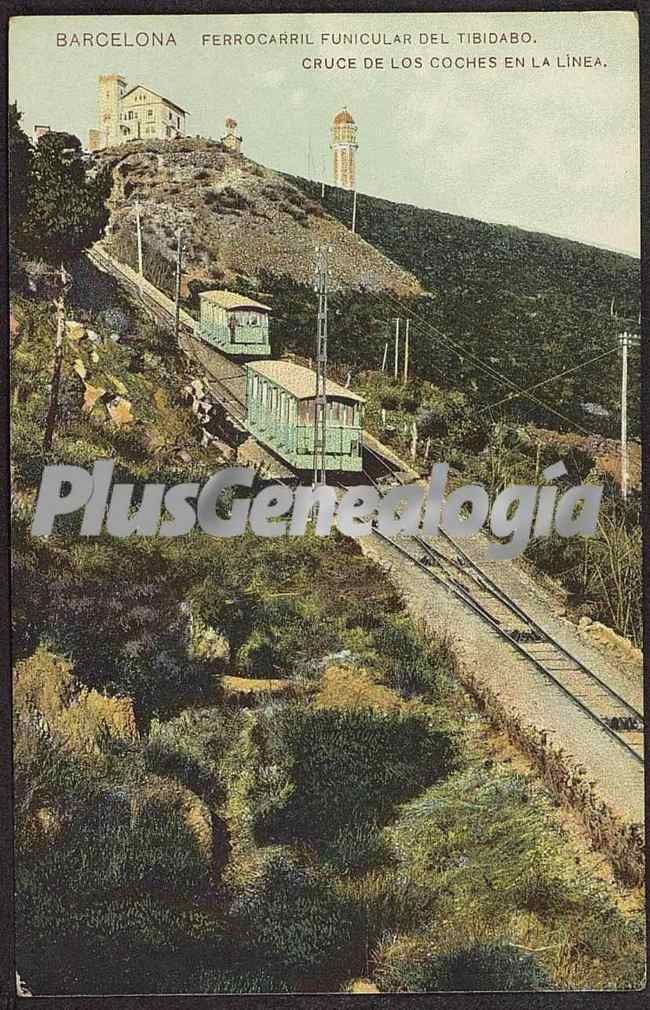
pixel 325 503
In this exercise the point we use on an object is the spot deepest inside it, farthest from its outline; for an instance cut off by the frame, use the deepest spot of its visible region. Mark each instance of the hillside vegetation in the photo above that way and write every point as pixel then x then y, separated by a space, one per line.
pixel 508 304
pixel 175 833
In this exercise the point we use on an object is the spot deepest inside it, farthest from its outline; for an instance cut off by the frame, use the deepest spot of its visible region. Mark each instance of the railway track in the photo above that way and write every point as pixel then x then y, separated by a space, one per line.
pixel 162 310
pixel 453 567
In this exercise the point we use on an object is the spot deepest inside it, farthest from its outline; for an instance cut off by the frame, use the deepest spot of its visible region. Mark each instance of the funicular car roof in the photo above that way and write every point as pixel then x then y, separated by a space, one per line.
pixel 300 381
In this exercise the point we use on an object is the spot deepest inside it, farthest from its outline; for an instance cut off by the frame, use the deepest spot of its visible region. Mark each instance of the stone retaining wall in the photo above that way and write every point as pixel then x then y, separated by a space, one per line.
pixel 620 841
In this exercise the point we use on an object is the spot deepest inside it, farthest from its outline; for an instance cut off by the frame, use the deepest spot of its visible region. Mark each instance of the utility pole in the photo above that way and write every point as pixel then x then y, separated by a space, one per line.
pixel 383 363
pixel 354 212
pixel 414 440
pixel 626 340
pixel 396 361
pixel 139 228
pixel 53 405
pixel 321 287
pixel 177 296
pixel 406 352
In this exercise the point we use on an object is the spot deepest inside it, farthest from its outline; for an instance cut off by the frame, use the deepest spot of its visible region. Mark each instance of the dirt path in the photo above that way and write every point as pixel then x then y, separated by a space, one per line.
pixel 619 781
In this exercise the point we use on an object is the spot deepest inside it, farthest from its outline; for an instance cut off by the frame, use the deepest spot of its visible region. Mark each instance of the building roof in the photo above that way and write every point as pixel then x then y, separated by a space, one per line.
pixel 298 380
pixel 343 117
pixel 161 97
pixel 231 300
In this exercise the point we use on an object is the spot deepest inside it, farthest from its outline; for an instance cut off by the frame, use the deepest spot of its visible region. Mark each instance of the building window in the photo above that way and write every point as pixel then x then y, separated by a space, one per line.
pixel 150 113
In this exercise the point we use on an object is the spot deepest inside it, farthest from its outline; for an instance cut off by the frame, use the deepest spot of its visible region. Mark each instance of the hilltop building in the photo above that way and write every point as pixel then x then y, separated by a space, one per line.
pixel 136 113
pixel 230 138
pixel 40 131
pixel 344 146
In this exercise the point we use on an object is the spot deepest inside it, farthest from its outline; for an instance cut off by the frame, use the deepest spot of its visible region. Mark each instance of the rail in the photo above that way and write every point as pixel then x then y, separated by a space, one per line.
pixel 596 698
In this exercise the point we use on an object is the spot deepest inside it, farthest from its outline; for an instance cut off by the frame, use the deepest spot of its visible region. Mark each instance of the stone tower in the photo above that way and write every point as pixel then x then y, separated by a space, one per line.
pixel 344 145
pixel 111 90
pixel 230 138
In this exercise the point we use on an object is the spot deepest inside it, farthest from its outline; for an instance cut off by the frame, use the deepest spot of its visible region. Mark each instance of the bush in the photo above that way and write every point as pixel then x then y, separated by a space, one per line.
pixel 123 946
pixel 357 847
pixel 293 919
pixel 408 664
pixel 496 967
pixel 334 767
pixel 189 748
pixel 287 637
pixel 107 848
pixel 391 901
pixel 226 199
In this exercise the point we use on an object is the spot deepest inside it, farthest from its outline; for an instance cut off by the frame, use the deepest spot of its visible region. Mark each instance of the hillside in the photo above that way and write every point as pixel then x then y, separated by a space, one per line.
pixel 240 220
pixel 492 307
pixel 526 305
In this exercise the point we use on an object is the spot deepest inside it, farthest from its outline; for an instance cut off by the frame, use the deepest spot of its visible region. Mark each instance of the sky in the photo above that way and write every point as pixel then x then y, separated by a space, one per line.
pixel 543 147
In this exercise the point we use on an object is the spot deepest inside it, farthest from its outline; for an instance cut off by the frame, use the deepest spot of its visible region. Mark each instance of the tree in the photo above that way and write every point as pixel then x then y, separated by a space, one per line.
pixel 21 155
pixel 58 210
pixel 66 209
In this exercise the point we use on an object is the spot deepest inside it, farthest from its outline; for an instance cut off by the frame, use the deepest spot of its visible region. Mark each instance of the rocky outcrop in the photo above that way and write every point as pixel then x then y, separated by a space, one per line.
pixel 594 631
pixel 238 218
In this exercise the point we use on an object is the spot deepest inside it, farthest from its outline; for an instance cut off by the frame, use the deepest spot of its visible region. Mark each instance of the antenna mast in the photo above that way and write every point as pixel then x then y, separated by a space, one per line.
pixel 320 404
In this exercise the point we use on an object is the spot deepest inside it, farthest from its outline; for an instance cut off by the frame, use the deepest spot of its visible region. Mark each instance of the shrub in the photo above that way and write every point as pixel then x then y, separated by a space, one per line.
pixel 293 919
pixel 391 901
pixel 286 638
pixel 340 766
pixel 226 199
pixel 408 664
pixel 123 946
pixel 189 748
pixel 107 848
pixel 488 967
pixel 356 847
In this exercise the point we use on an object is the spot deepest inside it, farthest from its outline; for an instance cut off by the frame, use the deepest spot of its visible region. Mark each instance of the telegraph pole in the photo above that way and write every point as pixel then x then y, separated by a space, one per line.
pixel 321 287
pixel 139 229
pixel 53 405
pixel 626 340
pixel 396 361
pixel 624 345
pixel 354 212
pixel 406 352
pixel 177 297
